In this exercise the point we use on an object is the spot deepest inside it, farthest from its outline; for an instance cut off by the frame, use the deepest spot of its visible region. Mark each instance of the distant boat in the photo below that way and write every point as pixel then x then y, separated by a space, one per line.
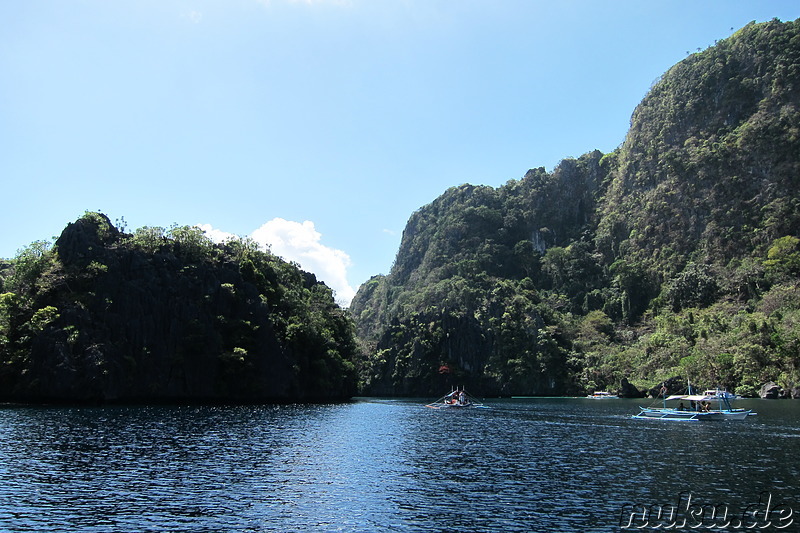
pixel 455 399
pixel 602 395
pixel 704 406
pixel 716 393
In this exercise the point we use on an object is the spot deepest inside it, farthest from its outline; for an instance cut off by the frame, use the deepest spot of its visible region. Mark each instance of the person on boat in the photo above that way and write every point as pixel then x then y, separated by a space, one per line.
pixel 692 405
pixel 706 406
pixel 681 407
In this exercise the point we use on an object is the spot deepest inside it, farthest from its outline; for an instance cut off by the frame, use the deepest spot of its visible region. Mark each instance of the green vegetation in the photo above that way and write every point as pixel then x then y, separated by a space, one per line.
pixel 676 255
pixel 167 315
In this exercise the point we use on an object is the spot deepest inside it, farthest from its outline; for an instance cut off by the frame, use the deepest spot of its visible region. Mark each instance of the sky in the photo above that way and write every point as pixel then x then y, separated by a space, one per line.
pixel 316 127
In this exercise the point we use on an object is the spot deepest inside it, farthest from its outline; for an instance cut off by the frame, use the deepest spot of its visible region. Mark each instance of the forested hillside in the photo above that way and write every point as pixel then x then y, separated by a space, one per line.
pixel 678 254
pixel 169 316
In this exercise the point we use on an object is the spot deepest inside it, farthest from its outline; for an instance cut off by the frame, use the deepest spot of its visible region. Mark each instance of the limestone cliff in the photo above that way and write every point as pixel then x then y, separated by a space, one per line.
pixel 106 316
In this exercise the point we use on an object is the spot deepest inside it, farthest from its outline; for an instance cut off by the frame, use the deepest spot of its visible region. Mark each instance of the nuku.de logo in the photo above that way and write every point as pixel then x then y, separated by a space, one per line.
pixel 689 513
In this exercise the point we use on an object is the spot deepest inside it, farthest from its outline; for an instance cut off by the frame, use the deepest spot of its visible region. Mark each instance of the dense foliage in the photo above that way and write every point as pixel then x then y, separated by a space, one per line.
pixel 167 315
pixel 676 255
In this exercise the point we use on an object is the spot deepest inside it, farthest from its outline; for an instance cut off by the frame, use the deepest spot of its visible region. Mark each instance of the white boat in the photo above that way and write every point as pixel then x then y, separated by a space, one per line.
pixel 717 393
pixel 694 407
pixel 602 395
pixel 455 399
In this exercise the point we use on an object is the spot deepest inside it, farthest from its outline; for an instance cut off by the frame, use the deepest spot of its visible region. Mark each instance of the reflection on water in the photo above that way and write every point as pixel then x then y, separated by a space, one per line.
pixel 379 465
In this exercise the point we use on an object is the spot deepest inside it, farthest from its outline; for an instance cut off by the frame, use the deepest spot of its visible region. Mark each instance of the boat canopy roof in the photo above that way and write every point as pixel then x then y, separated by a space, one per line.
pixel 692 397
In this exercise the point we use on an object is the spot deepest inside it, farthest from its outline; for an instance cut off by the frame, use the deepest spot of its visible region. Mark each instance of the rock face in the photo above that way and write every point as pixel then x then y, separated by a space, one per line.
pixel 109 321
pixel 461 289
pixel 770 391
pixel 705 181
pixel 628 390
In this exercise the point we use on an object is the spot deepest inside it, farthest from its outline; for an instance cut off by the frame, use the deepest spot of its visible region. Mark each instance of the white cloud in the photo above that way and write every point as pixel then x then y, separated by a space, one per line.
pixel 216 235
pixel 302 244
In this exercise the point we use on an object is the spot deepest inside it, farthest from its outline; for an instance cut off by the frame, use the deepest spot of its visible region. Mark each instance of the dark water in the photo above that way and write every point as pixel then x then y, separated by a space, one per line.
pixel 381 465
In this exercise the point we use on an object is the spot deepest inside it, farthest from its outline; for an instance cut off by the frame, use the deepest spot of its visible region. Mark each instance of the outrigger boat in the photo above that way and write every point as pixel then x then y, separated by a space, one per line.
pixel 700 408
pixel 721 394
pixel 457 399
pixel 602 395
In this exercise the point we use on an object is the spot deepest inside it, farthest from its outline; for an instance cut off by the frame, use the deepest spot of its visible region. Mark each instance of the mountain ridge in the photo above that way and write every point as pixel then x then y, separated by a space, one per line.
pixel 575 279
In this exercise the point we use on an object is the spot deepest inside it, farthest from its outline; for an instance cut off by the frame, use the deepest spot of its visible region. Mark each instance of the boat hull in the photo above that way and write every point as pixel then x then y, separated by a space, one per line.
pixel 449 406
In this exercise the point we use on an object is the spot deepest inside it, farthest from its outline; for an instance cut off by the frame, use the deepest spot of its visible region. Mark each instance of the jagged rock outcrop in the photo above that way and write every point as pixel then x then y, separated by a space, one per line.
pixel 770 391
pixel 444 281
pixel 107 320
pixel 710 155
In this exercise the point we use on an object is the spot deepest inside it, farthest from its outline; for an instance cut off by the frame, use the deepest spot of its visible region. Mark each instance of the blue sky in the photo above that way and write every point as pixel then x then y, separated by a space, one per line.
pixel 317 126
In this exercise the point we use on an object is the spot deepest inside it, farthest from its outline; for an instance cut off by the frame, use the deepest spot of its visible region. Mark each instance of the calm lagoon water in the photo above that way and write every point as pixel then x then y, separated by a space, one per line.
pixel 376 465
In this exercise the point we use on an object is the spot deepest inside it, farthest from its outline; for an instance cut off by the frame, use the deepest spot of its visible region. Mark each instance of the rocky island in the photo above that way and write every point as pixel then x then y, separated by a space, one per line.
pixel 167 316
